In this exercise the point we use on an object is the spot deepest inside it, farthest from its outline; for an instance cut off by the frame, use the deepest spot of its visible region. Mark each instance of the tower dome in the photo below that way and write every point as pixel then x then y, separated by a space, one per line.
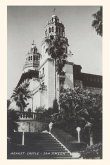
pixel 54 28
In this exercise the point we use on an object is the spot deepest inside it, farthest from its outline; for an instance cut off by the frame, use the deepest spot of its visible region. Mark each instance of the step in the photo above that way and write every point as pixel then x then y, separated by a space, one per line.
pixel 43 143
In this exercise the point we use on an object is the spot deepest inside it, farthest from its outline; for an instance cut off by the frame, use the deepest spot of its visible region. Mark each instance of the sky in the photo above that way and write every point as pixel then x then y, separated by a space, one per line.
pixel 27 23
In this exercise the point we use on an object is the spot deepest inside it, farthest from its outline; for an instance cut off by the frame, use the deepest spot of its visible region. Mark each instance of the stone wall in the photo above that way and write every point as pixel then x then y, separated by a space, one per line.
pixel 32 126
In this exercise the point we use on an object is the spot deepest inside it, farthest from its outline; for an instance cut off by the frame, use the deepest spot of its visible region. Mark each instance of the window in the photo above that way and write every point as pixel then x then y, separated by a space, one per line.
pixel 43 71
pixel 29 58
pixel 37 57
pixel 52 29
pixel 49 29
pixel 35 50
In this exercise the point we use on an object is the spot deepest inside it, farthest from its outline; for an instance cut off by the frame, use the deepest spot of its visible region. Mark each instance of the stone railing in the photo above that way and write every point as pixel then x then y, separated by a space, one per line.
pixel 27 115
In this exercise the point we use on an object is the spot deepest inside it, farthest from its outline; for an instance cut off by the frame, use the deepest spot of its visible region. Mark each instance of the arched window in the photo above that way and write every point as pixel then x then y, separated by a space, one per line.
pixel 49 29
pixel 35 50
pixel 52 29
pixel 36 57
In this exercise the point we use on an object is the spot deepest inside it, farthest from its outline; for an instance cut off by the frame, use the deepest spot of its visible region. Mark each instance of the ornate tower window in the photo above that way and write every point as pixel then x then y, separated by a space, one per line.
pixel 34 58
pixel 52 29
pixel 49 29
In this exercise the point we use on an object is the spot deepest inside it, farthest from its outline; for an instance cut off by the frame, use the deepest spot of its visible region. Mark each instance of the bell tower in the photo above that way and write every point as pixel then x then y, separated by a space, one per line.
pixel 53 30
pixel 32 61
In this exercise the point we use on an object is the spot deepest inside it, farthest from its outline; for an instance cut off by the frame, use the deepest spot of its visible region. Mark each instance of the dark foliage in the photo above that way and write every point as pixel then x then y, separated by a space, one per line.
pixel 97 22
pixel 43 114
pixel 92 152
pixel 81 108
pixel 57 50
pixel 55 106
pixel 12 118
pixel 28 75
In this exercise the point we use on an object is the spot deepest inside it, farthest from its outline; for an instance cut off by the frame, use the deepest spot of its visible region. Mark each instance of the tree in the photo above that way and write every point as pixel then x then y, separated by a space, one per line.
pixel 21 94
pixel 97 22
pixel 8 103
pixel 55 107
pixel 57 50
pixel 12 125
pixel 83 108
pixel 40 109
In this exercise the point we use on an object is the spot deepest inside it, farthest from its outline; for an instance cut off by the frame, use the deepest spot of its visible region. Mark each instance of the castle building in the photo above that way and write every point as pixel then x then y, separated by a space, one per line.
pixel 39 70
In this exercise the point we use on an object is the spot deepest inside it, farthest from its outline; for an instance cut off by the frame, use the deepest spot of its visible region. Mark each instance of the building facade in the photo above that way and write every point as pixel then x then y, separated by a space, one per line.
pixel 39 70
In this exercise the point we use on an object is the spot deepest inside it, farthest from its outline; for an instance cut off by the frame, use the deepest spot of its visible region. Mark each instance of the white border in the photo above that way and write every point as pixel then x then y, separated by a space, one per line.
pixel 3 80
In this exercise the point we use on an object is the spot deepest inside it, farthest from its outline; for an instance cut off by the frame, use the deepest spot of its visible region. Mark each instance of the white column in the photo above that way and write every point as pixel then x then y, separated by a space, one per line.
pixel 78 129
pixel 91 139
pixel 78 137
pixel 23 138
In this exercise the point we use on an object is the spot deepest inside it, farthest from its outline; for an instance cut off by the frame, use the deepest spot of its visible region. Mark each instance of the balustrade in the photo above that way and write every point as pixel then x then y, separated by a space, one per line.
pixel 27 115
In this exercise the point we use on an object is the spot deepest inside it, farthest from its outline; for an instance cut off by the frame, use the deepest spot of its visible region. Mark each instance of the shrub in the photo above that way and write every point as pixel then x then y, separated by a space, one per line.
pixel 92 152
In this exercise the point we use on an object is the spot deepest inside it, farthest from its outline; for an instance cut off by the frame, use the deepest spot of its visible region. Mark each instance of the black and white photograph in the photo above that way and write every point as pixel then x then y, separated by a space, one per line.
pixel 54 82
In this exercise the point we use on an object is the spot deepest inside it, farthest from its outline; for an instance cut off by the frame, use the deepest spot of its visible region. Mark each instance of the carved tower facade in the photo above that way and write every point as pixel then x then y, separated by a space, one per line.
pixel 54 30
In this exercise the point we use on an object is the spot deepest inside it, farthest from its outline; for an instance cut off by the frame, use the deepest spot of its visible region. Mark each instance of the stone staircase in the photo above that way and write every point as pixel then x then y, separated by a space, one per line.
pixel 41 146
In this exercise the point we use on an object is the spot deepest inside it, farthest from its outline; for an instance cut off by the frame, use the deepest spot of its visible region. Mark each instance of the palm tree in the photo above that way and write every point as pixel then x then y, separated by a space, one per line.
pixel 20 95
pixel 57 50
pixel 97 22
